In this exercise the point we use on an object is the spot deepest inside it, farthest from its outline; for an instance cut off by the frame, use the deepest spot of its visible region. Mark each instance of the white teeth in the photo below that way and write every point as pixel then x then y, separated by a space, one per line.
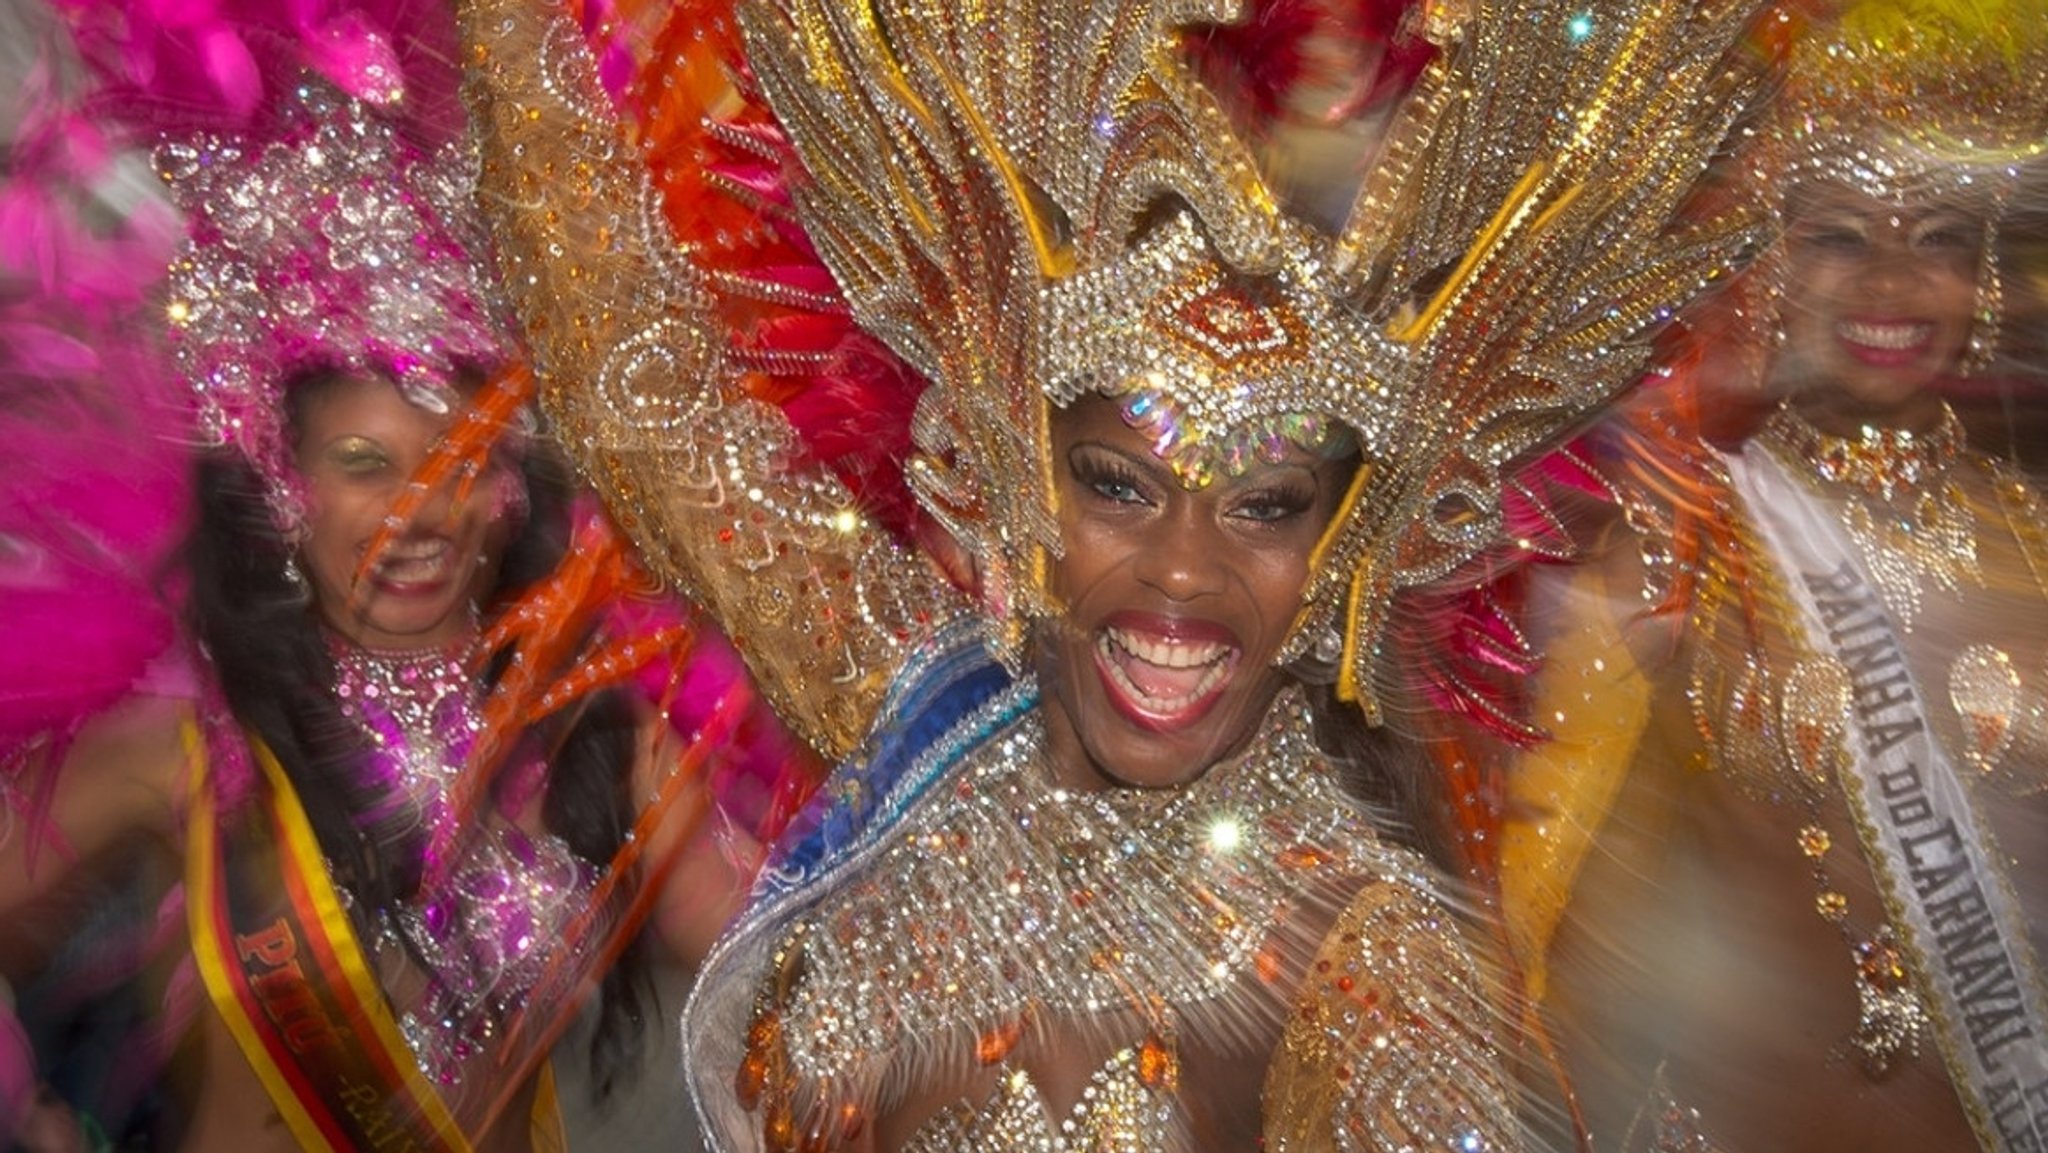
pixel 1892 337
pixel 1168 654
pixel 1150 703
pixel 426 549
pixel 415 560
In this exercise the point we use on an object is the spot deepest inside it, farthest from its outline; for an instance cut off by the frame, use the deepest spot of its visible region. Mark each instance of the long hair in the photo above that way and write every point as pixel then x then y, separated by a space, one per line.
pixel 265 642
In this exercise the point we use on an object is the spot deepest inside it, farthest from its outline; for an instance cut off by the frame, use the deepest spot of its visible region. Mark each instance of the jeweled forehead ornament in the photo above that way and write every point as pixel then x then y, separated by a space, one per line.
pixel 334 243
pixel 1220 370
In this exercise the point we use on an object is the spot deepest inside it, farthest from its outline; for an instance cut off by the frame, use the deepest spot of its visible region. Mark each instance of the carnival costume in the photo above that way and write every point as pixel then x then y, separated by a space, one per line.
pixel 990 212
pixel 319 161
pixel 1863 627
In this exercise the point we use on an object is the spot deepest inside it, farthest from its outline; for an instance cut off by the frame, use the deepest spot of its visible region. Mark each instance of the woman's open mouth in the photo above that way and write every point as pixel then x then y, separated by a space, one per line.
pixel 1164 679
pixel 414 566
pixel 1884 343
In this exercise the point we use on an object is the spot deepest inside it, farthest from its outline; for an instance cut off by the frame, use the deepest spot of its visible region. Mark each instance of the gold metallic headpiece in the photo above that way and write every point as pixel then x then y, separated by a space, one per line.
pixel 1029 199
pixel 1909 104
pixel 1907 100
pixel 987 185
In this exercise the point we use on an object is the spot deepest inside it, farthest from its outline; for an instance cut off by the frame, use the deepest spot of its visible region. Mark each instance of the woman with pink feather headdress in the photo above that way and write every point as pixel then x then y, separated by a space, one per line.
pixel 342 706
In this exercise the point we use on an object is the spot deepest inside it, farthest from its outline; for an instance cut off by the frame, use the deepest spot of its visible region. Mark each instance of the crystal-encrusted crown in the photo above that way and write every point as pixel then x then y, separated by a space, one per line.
pixel 334 243
pixel 1072 210
pixel 1901 101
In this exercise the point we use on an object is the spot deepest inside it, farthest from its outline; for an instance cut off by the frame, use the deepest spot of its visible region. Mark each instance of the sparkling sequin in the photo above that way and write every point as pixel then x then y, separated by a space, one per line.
pixel 488 932
pixel 1909 520
pixel 339 244
pixel 1003 901
pixel 1246 320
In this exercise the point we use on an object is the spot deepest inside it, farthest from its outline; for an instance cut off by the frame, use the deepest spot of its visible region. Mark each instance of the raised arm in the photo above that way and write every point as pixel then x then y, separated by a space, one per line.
pixel 708 478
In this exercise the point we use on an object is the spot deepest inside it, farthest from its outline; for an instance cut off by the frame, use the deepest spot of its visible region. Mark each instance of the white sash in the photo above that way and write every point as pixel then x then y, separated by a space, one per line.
pixel 1932 855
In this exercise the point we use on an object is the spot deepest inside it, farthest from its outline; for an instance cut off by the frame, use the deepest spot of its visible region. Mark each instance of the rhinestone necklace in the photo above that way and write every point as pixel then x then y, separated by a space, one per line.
pixel 1909 518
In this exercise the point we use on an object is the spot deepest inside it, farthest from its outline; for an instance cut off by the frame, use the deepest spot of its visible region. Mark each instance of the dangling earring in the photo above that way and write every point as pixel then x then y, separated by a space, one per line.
pixel 295 580
pixel 1329 646
pixel 1988 311
pixel 1760 311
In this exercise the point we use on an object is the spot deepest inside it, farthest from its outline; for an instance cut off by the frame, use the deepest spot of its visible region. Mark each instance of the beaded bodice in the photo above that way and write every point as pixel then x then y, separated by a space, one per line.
pixel 1962 556
pixel 1152 922
pixel 1826 665
pixel 489 921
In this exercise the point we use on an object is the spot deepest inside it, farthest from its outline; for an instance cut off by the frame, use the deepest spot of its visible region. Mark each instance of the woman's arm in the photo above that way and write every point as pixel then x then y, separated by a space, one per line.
pixel 699 863
pixel 1391 1040
pixel 710 481
pixel 116 791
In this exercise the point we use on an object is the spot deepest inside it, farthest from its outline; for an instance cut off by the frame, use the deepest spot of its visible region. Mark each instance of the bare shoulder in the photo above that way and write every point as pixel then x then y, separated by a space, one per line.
pixel 138 745
pixel 123 774
pixel 81 814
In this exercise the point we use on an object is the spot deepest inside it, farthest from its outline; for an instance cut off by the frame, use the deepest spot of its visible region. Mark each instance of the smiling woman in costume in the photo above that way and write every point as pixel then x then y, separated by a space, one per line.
pixel 1086 878
pixel 386 924
pixel 1831 937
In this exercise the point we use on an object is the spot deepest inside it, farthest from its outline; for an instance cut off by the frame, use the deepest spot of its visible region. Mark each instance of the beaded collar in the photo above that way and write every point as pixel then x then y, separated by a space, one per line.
pixel 1877 461
pixel 414 706
pixel 1011 892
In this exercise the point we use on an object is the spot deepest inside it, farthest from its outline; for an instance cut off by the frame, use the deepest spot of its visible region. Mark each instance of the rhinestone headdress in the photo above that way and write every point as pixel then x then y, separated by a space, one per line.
pixel 1907 104
pixel 1899 100
pixel 336 245
pixel 1031 200
pixel 994 214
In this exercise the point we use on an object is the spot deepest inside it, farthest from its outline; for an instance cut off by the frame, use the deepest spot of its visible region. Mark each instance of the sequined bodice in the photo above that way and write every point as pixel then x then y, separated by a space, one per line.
pixel 1768 896
pixel 1003 902
pixel 489 923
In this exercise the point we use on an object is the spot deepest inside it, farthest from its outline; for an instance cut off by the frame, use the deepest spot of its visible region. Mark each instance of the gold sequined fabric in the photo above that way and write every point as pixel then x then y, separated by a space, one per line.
pixel 1542 159
pixel 1900 100
pixel 1770 713
pixel 1118 1113
pixel 1386 1047
pixel 820 600
pixel 1002 902
pixel 1773 714
pixel 1910 520
pixel 1776 717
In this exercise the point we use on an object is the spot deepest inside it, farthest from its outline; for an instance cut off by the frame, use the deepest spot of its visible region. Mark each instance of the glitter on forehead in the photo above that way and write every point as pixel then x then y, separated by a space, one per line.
pixel 1198 456
pixel 337 246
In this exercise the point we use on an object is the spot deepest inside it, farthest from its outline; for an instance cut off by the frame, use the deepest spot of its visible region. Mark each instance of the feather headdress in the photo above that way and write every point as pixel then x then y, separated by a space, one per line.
pixel 1028 201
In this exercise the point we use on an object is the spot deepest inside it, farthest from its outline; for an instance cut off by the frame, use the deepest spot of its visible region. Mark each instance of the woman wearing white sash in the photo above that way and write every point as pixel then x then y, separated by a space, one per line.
pixel 1778 880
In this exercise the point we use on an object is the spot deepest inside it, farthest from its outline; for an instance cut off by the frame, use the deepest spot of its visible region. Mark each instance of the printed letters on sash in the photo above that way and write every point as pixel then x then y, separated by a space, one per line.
pixel 280 959
pixel 1919 827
